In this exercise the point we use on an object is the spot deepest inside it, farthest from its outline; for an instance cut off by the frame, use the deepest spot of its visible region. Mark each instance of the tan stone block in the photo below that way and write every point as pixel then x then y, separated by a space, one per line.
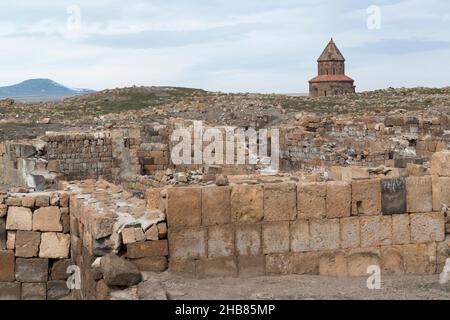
pixel 248 240
pixel 16 202
pixel 417 259
pixel 427 227
pixel 27 244
pixel 280 202
pixel 216 206
pixel 28 202
pixel 64 198
pixel 54 245
pixel 441 192
pixel 418 194
pixel 324 234
pixel 152 233
pixel 152 264
pixel 162 230
pixel 440 164
pixel 131 235
pixel 183 267
pixel 359 260
pixel 19 218
pixel 350 232
pixel 216 268
pixel 153 198
pixel 184 207
pixel 251 266
pixel 376 230
pixel 47 219
pixel 275 237
pixel 147 249
pixel 220 241
pixel 11 240
pixel 299 231
pixel 34 291
pixel 305 263
pixel 279 263
pixel 333 264
pixel 392 261
pixel 401 229
pixel 339 199
pixel 247 203
pixel 360 172
pixel 188 243
pixel 311 200
pixel 366 197
pixel 7 266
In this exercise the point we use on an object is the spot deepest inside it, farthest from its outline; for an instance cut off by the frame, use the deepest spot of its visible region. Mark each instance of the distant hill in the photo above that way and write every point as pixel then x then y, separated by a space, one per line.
pixel 36 90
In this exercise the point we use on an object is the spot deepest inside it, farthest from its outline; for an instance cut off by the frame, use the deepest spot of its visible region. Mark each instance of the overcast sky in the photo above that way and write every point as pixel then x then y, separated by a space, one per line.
pixel 223 45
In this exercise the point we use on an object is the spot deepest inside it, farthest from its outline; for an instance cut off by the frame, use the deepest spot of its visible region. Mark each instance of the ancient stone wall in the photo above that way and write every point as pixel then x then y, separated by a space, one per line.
pixel 34 246
pixel 331 228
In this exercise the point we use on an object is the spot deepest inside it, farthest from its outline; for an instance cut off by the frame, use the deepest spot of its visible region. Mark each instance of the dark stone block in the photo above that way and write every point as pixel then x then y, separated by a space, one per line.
pixel 31 270
pixel 57 289
pixel 2 234
pixel 393 196
pixel 9 290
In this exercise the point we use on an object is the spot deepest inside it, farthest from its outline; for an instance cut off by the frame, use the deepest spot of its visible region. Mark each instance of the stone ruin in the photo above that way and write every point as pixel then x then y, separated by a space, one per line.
pixel 110 205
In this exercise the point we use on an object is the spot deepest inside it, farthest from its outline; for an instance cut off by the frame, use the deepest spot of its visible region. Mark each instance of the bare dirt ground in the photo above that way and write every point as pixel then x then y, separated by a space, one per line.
pixel 293 287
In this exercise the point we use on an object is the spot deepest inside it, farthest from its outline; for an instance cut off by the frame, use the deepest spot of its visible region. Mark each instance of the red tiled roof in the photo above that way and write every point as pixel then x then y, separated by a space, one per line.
pixel 331 78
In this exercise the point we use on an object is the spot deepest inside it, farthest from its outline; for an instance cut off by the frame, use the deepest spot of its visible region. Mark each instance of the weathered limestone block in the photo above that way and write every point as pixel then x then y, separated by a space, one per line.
pixel 34 291
pixel 359 260
pixel 7 265
pixel 440 164
pixel 153 197
pixel 59 269
pixel 11 240
pixel 189 243
pixel 220 241
pixel 339 199
pixel 366 197
pixel 311 200
pixel 31 270
pixel 418 194
pixel 28 202
pixel 299 231
pixel 280 202
pixel 131 235
pixel 376 231
pixel 218 267
pixel 251 266
pixel 54 245
pixel 305 263
pixel 19 218
pixel 27 244
pixel 418 258
pixel 216 207
pixel 184 207
pixel 441 192
pixel 119 272
pixel 247 203
pixel 393 196
pixel 324 234
pixel 13 202
pixel 42 201
pixel 183 267
pixel 401 229
pixel 392 261
pixel 147 249
pixel 3 210
pixel 248 240
pixel 47 219
pixel 275 237
pixel 427 227
pixel 162 230
pixel 333 264
pixel 350 232
pixel 279 263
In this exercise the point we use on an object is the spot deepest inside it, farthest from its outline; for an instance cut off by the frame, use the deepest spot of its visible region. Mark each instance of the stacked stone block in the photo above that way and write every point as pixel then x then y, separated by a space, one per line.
pixel 34 246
